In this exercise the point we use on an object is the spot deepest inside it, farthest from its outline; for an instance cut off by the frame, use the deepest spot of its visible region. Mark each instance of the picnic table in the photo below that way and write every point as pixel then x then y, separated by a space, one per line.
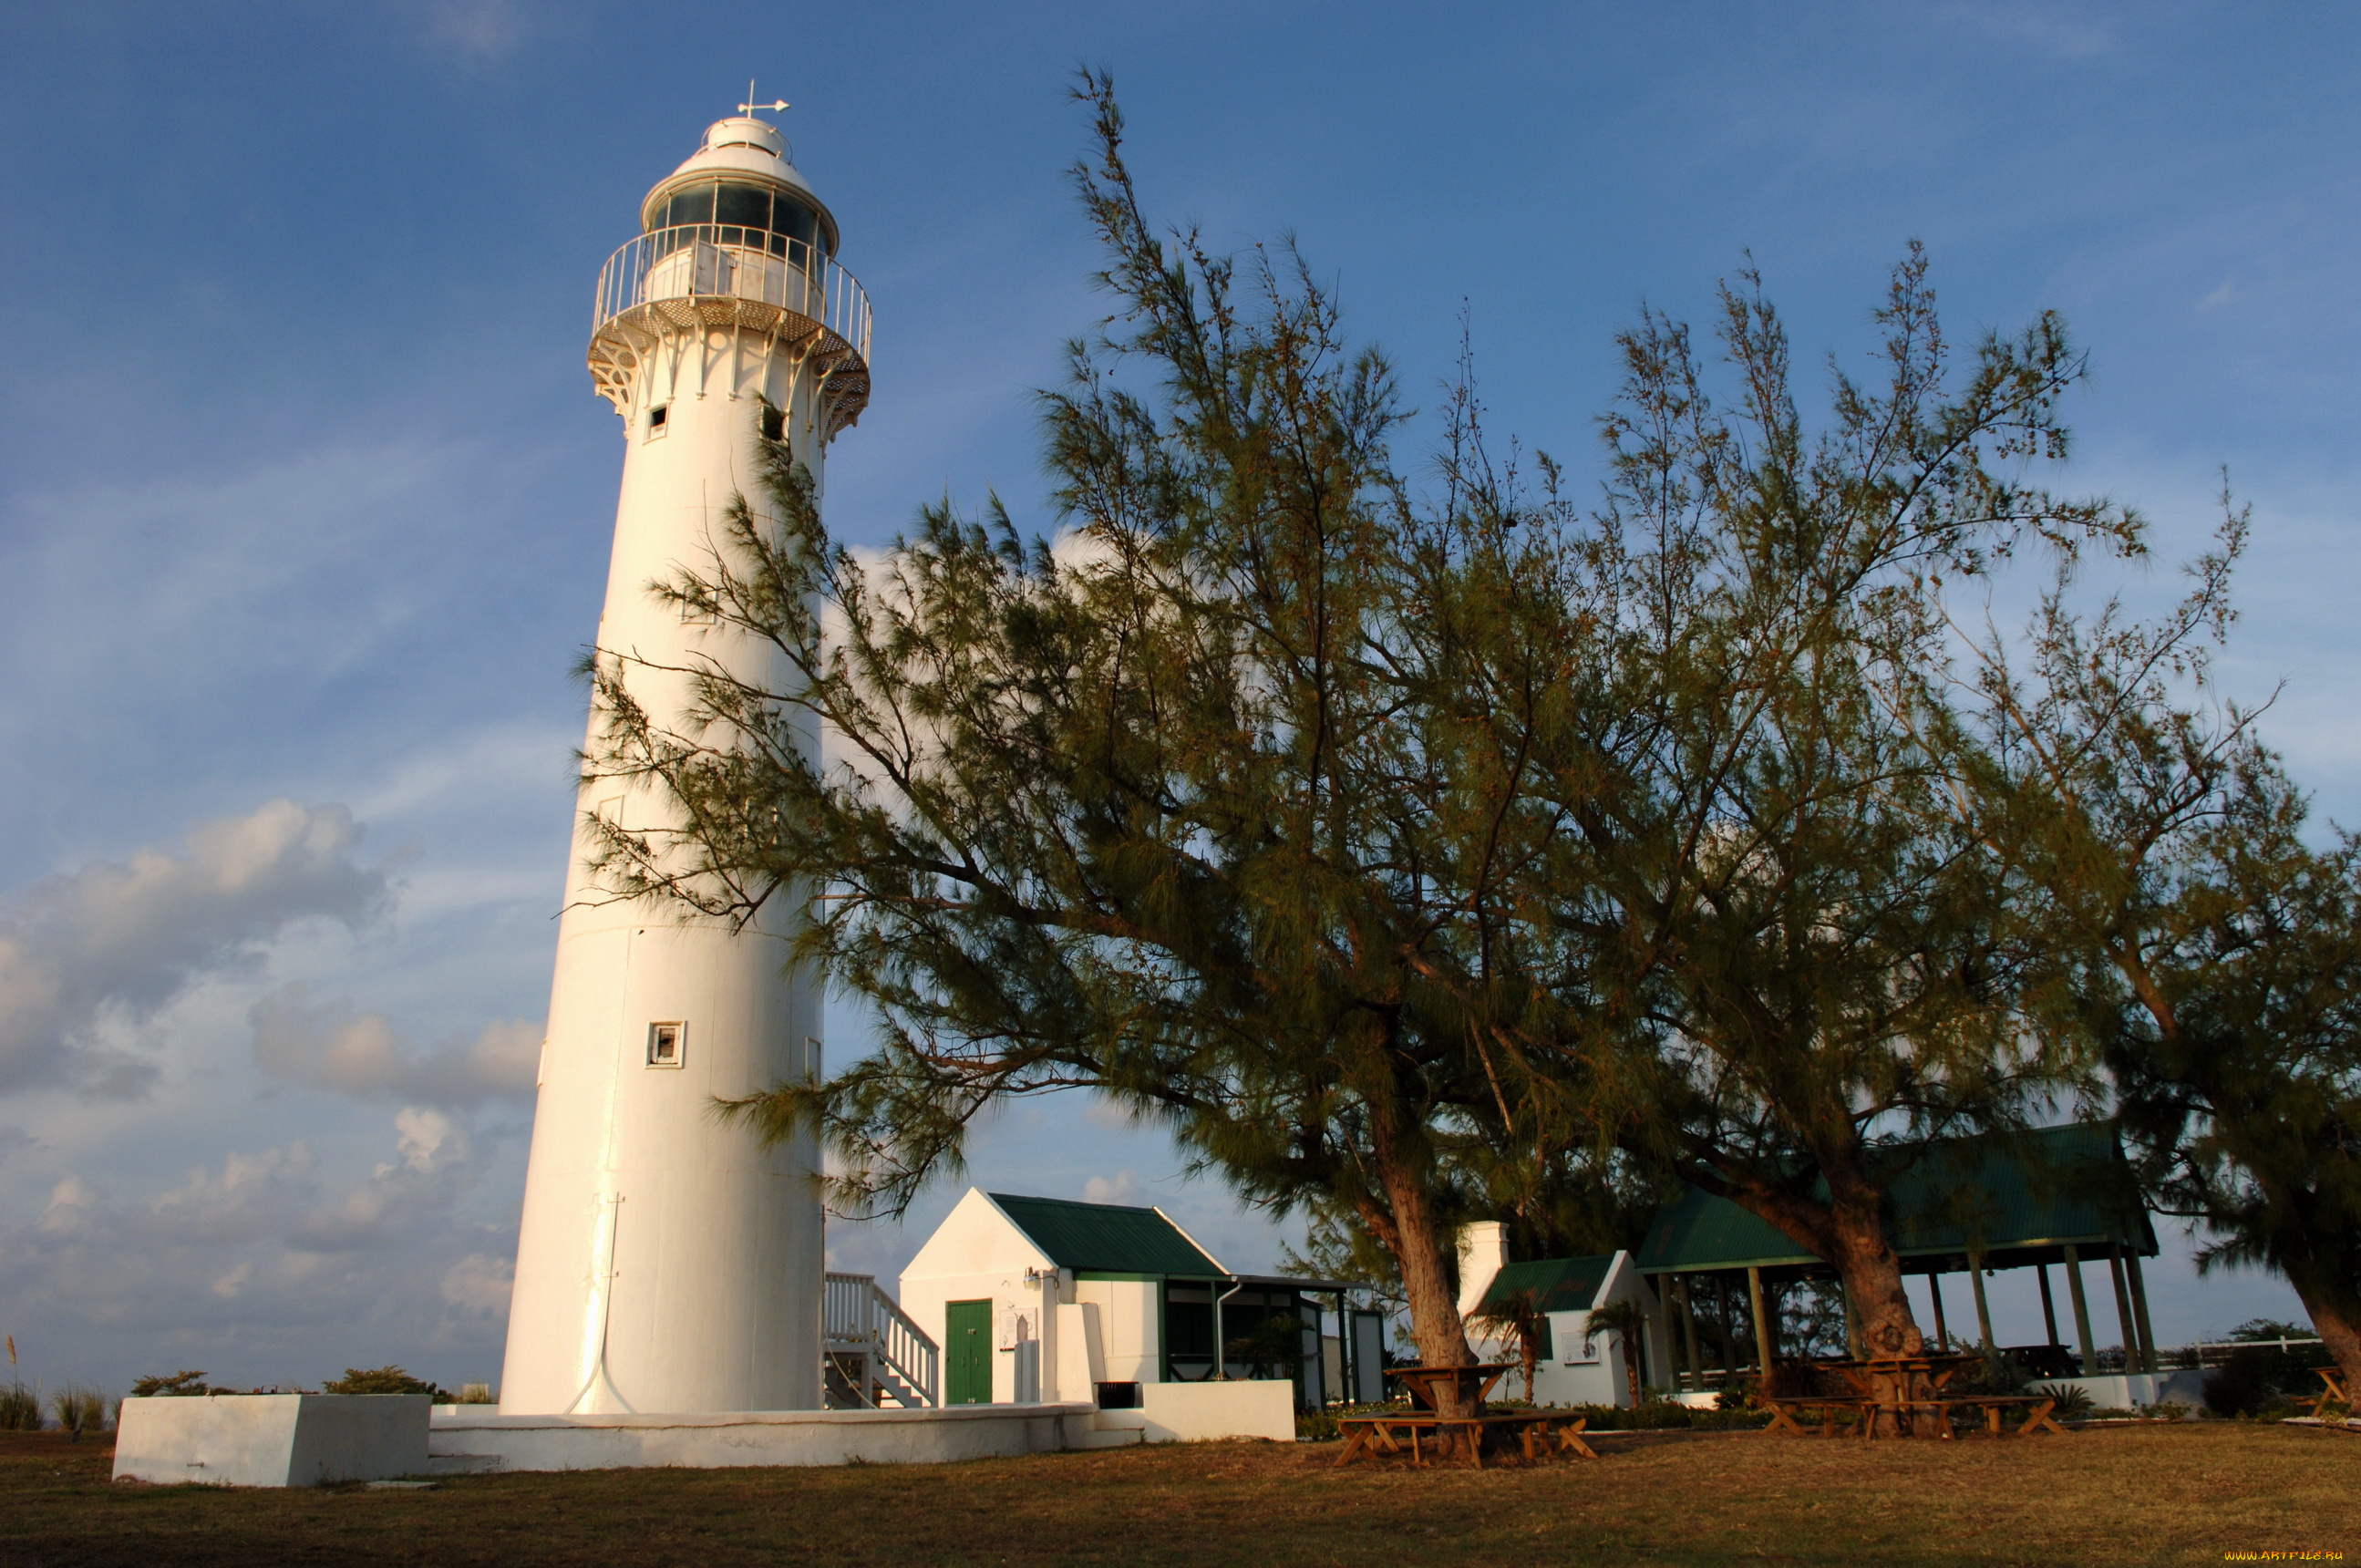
pixel 2334 1393
pixel 1905 1387
pixel 1426 1385
pixel 1416 1433
pixel 1469 1431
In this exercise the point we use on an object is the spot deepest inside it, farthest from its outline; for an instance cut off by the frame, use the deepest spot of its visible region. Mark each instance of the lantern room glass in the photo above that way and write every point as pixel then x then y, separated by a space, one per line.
pixel 756 216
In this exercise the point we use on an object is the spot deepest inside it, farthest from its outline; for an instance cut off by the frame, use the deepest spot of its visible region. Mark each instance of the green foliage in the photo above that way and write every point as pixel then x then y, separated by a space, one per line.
pixel 2074 1402
pixel 79 1409
pixel 1787 899
pixel 1628 1320
pixel 2189 922
pixel 383 1380
pixel 1995 1373
pixel 1667 1414
pixel 2270 1328
pixel 20 1408
pixel 1811 1319
pixel 1516 1315
pixel 184 1382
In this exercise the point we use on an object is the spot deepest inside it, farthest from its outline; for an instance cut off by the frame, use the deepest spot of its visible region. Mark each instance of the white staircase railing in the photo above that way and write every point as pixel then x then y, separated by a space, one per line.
pixel 875 1350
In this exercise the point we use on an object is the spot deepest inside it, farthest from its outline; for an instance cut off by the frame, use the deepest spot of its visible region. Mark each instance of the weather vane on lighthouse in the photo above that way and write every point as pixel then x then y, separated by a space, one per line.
pixel 751 107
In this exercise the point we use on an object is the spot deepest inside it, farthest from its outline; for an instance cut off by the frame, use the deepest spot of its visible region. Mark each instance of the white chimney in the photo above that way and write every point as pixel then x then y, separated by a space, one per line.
pixel 1483 1252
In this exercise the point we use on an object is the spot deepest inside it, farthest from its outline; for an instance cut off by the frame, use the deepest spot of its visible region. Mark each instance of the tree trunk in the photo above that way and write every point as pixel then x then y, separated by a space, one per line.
pixel 2336 1318
pixel 1865 1259
pixel 1872 1276
pixel 1408 1230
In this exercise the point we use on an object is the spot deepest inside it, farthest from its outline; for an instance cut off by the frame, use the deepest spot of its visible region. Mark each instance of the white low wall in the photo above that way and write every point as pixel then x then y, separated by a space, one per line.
pixel 2117 1391
pixel 489 1440
pixel 1197 1412
pixel 272 1440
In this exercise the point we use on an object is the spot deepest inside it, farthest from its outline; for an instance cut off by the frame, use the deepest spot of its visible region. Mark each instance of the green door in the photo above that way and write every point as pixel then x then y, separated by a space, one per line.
pixel 967 1353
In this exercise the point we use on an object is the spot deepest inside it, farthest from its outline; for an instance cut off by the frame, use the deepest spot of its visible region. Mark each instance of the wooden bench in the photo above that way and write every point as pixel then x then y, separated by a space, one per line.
pixel 2037 1408
pixel 2334 1394
pixel 1785 1412
pixel 1409 1432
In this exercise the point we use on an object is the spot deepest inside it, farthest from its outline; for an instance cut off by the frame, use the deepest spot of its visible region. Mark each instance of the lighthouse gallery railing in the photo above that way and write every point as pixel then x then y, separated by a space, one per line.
pixel 722 260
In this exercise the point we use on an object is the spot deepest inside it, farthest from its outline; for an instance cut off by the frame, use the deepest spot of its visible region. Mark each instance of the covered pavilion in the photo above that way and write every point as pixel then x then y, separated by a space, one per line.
pixel 2059 1195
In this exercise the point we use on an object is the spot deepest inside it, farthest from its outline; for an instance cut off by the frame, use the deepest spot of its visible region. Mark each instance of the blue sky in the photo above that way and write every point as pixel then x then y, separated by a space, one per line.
pixel 305 501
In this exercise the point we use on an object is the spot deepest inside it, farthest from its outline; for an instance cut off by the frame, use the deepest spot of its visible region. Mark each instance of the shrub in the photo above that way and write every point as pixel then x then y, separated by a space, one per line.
pixel 20 1409
pixel 2241 1385
pixel 1663 1415
pixel 2073 1400
pixel 186 1382
pixel 383 1380
pixel 79 1409
pixel 1995 1373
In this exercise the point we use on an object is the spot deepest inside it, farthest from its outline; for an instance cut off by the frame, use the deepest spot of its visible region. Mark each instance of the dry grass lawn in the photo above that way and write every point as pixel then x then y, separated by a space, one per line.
pixel 2151 1494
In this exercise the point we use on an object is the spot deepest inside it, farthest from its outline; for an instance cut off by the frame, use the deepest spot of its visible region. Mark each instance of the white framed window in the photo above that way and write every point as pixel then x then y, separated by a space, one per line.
pixel 667 1043
pixel 659 420
pixel 811 1057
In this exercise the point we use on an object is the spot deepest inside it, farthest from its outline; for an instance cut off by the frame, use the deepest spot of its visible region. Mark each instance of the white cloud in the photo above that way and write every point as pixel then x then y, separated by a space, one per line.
pixel 486 28
pixel 480 1284
pixel 1123 1189
pixel 361 1055
pixel 264 1268
pixel 116 941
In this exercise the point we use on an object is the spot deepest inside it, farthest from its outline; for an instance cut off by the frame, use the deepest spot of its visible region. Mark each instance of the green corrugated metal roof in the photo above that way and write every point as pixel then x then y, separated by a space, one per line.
pixel 1998 1192
pixel 1105 1238
pixel 1558 1284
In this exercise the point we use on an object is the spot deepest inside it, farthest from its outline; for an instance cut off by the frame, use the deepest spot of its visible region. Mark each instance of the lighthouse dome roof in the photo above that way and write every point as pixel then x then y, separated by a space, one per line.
pixel 734 149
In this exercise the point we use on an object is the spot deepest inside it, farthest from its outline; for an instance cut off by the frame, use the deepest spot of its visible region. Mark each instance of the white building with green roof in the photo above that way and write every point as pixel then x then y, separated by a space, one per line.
pixel 1045 1298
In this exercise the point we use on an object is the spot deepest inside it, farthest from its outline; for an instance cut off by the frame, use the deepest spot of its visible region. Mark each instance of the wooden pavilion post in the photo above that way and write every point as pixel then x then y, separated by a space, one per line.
pixel 1761 1320
pixel 2139 1311
pixel 1688 1327
pixel 1984 1307
pixel 1935 1288
pixel 2081 1311
pixel 1726 1322
pixel 2049 1303
pixel 2123 1308
pixel 1669 1374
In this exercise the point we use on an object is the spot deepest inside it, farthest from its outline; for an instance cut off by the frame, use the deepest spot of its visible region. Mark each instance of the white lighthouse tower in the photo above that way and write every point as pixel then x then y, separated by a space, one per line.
pixel 668 1263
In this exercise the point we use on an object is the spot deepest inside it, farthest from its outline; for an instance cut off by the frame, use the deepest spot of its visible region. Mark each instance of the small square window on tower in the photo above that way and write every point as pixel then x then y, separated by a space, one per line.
pixel 665 1044
pixel 774 424
pixel 659 417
